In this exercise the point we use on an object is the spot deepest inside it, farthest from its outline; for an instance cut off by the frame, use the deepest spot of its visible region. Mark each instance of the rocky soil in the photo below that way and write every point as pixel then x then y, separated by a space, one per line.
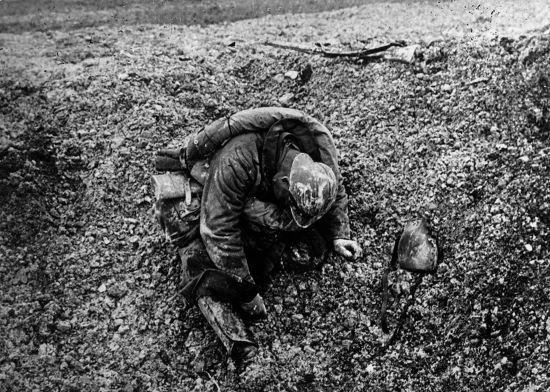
pixel 89 297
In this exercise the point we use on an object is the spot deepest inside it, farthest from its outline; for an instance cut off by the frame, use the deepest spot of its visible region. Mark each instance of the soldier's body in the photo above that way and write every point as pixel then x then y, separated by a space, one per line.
pixel 269 172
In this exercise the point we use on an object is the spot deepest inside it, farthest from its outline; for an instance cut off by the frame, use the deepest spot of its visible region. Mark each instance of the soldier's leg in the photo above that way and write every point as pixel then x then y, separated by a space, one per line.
pixel 263 251
pixel 229 327
pixel 203 284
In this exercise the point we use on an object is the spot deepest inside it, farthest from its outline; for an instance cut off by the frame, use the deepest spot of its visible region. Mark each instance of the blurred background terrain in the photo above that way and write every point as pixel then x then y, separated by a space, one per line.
pixel 69 14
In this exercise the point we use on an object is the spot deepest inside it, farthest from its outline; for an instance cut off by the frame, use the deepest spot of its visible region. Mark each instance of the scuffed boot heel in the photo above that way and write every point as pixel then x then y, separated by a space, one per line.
pixel 254 310
pixel 243 353
pixel 229 327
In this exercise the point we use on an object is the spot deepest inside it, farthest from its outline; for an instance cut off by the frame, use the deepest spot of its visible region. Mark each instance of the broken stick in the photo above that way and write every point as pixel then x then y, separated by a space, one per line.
pixel 365 53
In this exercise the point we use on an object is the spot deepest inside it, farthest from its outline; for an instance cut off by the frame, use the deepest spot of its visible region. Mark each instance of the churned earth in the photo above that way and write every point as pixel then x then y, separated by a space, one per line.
pixel 89 297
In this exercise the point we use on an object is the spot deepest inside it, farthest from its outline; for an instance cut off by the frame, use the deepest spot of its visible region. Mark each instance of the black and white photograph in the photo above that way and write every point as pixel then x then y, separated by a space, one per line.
pixel 274 195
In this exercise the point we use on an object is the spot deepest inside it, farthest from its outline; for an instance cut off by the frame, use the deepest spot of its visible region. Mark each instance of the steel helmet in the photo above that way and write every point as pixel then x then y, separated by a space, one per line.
pixel 312 187
pixel 416 248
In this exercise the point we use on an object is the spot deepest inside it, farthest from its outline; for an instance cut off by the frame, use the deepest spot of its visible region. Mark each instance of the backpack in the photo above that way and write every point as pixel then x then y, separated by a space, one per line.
pixel 177 206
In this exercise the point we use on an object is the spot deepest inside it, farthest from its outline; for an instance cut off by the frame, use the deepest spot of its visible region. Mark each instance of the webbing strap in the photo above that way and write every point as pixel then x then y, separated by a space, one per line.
pixel 187 189
pixel 392 266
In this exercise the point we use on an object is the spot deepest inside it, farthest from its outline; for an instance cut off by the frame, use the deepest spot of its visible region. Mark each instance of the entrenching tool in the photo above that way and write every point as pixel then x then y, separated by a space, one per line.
pixel 415 250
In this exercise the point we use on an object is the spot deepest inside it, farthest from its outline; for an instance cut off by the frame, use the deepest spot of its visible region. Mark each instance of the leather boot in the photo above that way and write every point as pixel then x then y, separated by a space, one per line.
pixel 230 328
pixel 255 309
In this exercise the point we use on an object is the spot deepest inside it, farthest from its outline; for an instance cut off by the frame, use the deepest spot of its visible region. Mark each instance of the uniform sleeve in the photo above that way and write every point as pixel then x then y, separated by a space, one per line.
pixel 335 223
pixel 207 141
pixel 262 214
pixel 231 178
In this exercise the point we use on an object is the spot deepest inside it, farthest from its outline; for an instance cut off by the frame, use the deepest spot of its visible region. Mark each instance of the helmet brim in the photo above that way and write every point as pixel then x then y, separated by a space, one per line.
pixel 301 219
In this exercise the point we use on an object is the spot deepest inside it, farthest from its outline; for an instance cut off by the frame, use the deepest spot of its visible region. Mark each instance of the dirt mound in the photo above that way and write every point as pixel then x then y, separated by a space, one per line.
pixel 90 289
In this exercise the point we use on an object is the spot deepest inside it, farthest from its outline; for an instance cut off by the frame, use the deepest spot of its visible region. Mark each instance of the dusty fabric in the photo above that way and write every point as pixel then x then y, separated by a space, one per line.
pixel 225 322
pixel 201 277
pixel 265 252
pixel 254 151
pixel 275 125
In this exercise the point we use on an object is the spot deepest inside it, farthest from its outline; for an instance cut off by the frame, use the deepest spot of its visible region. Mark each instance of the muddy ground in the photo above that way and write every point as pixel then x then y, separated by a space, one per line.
pixel 89 297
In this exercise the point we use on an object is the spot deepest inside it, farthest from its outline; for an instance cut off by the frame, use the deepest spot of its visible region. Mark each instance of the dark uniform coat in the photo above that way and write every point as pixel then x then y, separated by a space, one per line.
pixel 244 196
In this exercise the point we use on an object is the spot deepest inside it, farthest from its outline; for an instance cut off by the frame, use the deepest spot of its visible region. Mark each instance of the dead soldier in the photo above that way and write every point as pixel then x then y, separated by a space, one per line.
pixel 271 189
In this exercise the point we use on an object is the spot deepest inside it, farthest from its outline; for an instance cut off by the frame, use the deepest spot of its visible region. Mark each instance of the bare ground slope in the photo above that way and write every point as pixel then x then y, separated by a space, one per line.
pixel 89 289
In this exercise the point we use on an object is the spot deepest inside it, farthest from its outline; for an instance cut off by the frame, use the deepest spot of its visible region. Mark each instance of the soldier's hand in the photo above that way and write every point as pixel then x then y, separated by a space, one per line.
pixel 347 248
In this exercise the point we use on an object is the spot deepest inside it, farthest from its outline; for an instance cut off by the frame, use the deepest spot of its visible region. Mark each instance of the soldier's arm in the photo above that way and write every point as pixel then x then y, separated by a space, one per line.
pixel 205 142
pixel 335 223
pixel 231 178
pixel 262 214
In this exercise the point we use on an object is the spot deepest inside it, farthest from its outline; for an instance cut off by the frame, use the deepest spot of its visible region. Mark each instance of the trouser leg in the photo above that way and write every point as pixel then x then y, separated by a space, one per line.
pixel 229 327
pixel 200 277
pixel 208 286
pixel 263 251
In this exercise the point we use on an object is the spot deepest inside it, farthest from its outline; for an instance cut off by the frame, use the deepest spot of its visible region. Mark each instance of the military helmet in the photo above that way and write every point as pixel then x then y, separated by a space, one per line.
pixel 312 187
pixel 416 248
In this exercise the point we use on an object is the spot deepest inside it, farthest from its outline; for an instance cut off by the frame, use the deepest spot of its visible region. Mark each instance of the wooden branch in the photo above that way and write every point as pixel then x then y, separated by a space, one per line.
pixel 365 52
pixel 355 54
pixel 296 48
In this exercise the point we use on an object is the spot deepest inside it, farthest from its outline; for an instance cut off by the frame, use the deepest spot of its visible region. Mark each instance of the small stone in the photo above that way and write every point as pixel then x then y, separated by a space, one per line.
pixel 405 54
pixel 211 104
pixel 46 350
pixel 123 76
pixel 279 78
pixel 102 288
pixel 64 326
pixel 90 62
pixel 446 88
pixel 528 247
pixel 286 99
pixel 117 142
pixel 309 350
pixel 117 291
pixel 292 74
pixel 198 366
pixel 421 353
pixel 297 317
pixel 143 143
